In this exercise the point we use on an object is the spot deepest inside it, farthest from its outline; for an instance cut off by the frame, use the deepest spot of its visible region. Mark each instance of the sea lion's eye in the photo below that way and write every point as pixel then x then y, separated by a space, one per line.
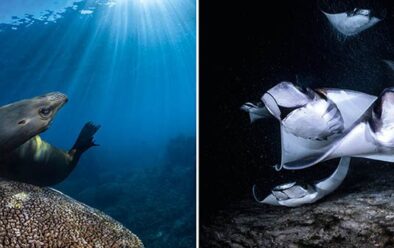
pixel 45 111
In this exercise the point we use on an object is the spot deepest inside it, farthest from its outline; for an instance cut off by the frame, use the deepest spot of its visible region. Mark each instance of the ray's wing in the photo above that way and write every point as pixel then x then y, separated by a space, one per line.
pixel 351 104
pixel 299 153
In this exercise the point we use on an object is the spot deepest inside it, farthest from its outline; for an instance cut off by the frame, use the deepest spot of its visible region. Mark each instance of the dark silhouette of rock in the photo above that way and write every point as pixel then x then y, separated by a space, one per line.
pixel 360 214
pixel 32 216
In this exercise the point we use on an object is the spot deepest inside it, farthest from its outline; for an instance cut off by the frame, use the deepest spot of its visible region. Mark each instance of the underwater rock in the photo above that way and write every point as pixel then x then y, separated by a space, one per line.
pixel 155 200
pixel 32 216
pixel 360 214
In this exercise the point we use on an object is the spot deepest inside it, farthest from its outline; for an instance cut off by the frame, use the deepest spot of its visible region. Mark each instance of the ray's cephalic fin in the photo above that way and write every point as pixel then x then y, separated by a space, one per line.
pixel 256 111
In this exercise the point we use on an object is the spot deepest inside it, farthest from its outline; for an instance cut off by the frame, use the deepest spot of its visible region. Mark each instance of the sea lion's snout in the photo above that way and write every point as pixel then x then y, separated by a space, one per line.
pixel 40 111
pixel 52 102
pixel 56 97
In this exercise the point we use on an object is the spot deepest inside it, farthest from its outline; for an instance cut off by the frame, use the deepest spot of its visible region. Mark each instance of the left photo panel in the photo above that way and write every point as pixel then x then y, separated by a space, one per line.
pixel 98 123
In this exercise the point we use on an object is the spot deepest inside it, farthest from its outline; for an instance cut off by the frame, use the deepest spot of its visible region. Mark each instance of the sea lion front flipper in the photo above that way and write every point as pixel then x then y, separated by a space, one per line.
pixel 256 111
pixel 85 138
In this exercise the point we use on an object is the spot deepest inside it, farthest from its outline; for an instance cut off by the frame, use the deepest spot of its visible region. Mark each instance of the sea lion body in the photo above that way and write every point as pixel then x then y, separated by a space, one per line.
pixel 38 162
pixel 35 161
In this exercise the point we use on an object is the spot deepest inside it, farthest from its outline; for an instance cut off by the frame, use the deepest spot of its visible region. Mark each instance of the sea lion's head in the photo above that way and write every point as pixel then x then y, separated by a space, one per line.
pixel 24 119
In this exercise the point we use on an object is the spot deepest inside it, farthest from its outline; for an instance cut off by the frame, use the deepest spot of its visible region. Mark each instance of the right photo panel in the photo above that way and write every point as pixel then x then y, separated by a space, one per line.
pixel 296 124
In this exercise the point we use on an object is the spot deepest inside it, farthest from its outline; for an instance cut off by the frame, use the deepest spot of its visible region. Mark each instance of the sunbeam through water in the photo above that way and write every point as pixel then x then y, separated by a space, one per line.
pixel 128 65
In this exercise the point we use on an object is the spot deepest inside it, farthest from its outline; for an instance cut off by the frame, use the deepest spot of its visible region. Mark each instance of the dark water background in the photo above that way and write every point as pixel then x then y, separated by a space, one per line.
pixel 249 49
pixel 129 67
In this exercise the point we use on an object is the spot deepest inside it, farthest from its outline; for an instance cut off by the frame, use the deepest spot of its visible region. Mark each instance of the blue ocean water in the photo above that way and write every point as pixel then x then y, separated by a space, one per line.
pixel 128 65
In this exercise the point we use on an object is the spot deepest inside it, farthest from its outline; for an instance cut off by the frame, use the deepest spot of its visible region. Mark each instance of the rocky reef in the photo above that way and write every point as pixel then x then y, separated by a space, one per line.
pixel 32 216
pixel 156 200
pixel 359 214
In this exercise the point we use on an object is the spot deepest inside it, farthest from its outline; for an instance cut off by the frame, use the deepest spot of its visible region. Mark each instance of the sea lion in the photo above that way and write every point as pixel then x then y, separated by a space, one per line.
pixel 24 119
pixel 39 163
